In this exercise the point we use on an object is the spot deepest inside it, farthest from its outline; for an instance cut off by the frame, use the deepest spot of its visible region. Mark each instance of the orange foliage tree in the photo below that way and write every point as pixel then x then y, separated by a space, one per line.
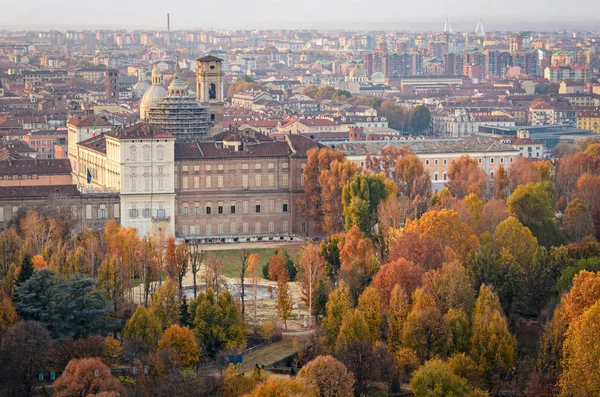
pixel 332 182
pixel 446 227
pixel 318 160
pixel 399 272
pixel 87 376
pixel 411 178
pixel 466 177
pixel 358 261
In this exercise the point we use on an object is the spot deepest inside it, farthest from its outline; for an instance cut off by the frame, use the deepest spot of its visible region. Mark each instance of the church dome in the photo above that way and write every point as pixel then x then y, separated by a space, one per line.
pixel 357 71
pixel 153 95
pixel 140 88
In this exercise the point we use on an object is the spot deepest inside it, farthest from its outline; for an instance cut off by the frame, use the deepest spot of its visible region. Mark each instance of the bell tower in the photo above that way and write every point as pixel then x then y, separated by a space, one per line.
pixel 209 89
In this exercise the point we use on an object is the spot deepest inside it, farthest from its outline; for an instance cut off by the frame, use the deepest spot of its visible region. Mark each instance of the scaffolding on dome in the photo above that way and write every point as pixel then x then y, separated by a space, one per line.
pixel 180 115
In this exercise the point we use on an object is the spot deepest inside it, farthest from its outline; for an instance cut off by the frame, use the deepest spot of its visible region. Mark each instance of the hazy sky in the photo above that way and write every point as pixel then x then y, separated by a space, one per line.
pixel 345 14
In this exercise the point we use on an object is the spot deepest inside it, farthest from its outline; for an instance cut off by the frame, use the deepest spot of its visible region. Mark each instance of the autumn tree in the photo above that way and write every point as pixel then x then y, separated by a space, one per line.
pixel 584 293
pixel 466 177
pixel 332 182
pixel 425 329
pixel 523 171
pixel 385 162
pixel 39 232
pixel 312 269
pixel 182 346
pixel 370 305
pixel 532 205
pixel 451 287
pixel 501 183
pixel 577 221
pixel 517 239
pixel 411 177
pixel 182 257
pixel 400 272
pixel 446 227
pixel 284 300
pixel 165 304
pixel 358 357
pixel 493 212
pixel 24 352
pixel 87 376
pixel 460 330
pixel 436 378
pixel 581 355
pixel 217 322
pixel 337 307
pixel 328 376
pixel 241 271
pixel 417 247
pixel 254 269
pixel 318 160
pixel 399 307
pixel 492 345
pixel 236 384
pixel 111 351
pixel 275 386
pixel 171 258
pixel 8 314
pixel 358 261
pixel 213 272
pixel 360 197
pixel 588 188
pixel 142 331
pixel 197 258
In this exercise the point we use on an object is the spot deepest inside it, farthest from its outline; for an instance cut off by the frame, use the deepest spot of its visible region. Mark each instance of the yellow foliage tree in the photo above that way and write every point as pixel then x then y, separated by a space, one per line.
pixel 165 304
pixel 581 356
pixel 369 305
pixel 182 345
pixel 492 345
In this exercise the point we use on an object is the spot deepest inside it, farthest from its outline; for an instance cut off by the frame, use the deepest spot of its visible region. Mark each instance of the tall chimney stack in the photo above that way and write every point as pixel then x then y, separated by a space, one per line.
pixel 168 31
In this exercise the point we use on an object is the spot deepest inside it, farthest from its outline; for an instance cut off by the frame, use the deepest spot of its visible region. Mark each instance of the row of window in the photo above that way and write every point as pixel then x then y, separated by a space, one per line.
pixel 194 181
pixel 221 208
pixel 221 167
pixel 479 161
pixel 101 212
pixel 146 153
pixel 207 230
pixel 160 184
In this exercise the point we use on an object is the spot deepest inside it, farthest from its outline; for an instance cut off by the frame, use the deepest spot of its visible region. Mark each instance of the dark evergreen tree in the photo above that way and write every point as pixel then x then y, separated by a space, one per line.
pixel 27 269
pixel 67 307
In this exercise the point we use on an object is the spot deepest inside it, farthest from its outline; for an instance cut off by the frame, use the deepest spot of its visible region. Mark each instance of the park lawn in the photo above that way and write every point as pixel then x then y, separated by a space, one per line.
pixel 231 257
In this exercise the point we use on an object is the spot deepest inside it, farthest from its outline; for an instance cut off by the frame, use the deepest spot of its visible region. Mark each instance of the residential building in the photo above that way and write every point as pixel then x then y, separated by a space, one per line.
pixel 589 119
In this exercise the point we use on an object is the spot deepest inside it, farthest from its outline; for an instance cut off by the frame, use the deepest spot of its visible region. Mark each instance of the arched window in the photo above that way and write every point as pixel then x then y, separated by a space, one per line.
pixel 212 117
pixel 212 91
pixel 133 153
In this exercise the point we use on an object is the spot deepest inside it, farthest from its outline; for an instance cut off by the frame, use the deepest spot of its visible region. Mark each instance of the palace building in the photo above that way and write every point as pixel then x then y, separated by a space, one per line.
pixel 173 178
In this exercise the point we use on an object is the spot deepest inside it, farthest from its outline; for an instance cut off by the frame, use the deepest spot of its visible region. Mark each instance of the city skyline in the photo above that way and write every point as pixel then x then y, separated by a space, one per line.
pixel 268 14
